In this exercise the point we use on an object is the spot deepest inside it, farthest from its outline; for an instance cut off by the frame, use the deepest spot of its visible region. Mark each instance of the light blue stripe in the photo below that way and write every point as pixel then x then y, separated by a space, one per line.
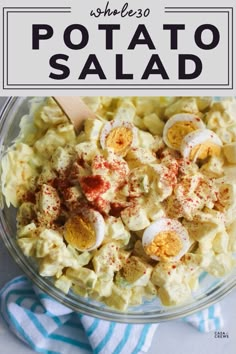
pixel 202 276
pixel 61 338
pixel 201 324
pixel 71 341
pixel 13 292
pixel 30 295
pixel 21 279
pixel 92 328
pixel 105 340
pixel 123 341
pixel 21 331
pixel 214 317
pixel 36 322
pixel 20 292
pixel 57 320
pixel 42 329
pixel 49 313
pixel 217 323
pixel 141 339
pixel 54 318
pixel 23 297
pixel 211 312
pixel 34 307
pixel 73 324
pixel 75 320
pixel 79 330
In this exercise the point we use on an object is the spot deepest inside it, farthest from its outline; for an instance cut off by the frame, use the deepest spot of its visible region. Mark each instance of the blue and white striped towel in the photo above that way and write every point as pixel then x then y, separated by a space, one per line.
pixel 51 328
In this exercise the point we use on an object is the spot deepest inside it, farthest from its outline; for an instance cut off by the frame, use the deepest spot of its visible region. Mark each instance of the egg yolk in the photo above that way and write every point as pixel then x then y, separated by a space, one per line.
pixel 79 233
pixel 202 151
pixel 165 244
pixel 178 131
pixel 119 139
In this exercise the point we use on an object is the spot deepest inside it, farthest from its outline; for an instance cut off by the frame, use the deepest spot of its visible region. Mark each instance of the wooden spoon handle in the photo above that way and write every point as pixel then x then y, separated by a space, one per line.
pixel 75 109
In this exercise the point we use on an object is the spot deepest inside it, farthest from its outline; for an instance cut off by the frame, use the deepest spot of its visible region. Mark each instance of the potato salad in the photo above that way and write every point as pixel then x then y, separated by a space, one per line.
pixel 135 206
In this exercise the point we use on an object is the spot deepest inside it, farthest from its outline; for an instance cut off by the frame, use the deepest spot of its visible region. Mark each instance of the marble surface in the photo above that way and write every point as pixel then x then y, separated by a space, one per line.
pixel 171 337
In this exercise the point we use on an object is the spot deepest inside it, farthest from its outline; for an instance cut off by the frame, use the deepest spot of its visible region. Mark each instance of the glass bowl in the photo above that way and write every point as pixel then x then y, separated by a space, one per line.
pixel 210 290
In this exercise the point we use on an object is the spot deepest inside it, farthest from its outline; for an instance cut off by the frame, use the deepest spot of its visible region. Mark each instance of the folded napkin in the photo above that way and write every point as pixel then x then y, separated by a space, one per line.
pixel 51 328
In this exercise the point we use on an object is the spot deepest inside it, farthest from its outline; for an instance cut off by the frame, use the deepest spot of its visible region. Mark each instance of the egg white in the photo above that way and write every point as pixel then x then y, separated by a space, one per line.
pixel 181 117
pixel 98 223
pixel 109 126
pixel 198 137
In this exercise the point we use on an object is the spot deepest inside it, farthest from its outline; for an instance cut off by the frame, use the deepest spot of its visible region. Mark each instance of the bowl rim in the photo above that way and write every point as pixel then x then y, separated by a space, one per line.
pixel 83 307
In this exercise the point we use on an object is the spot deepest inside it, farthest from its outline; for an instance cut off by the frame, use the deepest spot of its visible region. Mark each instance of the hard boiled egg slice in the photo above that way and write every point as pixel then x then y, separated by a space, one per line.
pixel 166 240
pixel 85 231
pixel 178 126
pixel 201 144
pixel 118 135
